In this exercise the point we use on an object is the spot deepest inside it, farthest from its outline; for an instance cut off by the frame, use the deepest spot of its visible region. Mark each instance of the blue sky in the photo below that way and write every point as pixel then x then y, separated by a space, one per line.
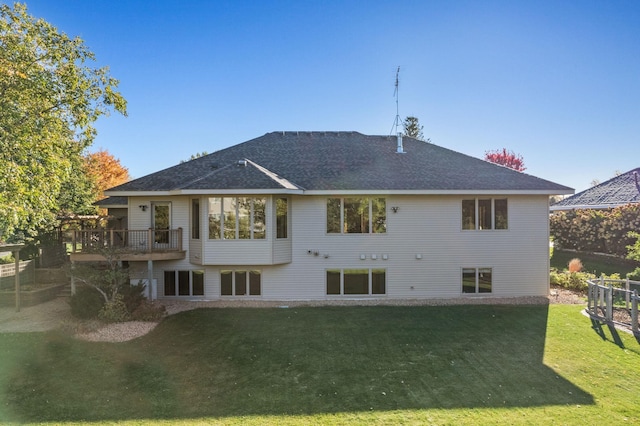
pixel 555 81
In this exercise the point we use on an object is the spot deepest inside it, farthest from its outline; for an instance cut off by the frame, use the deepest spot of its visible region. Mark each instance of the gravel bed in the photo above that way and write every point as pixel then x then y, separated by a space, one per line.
pixel 56 314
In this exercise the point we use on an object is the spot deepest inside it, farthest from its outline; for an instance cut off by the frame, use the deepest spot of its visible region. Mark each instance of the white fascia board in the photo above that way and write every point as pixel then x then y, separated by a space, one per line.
pixel 137 193
pixel 237 191
pixel 437 192
pixel 202 192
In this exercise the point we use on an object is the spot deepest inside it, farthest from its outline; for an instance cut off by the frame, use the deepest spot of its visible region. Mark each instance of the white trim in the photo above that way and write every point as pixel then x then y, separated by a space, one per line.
pixel 336 192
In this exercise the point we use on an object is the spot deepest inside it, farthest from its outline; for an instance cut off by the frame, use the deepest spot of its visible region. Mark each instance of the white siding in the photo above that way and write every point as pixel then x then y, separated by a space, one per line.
pixel 423 226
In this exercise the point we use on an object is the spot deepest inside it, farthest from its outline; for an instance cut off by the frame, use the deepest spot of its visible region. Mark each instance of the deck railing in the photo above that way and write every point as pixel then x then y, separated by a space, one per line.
pixel 614 301
pixel 134 241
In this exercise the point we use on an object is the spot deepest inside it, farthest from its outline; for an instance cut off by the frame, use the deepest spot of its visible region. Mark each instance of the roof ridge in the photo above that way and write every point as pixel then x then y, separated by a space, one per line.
pixel 274 176
pixel 199 178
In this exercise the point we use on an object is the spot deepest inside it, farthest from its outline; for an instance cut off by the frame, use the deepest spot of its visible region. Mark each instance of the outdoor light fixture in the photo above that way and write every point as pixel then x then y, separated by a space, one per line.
pixel 395 209
pixel 143 207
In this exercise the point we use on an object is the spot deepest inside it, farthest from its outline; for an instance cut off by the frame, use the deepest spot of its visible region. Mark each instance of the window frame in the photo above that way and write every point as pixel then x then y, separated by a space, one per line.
pixel 478 280
pixel 177 282
pixel 339 288
pixel 345 209
pixel 247 223
pixel 196 228
pixel 248 289
pixel 485 216
pixel 282 218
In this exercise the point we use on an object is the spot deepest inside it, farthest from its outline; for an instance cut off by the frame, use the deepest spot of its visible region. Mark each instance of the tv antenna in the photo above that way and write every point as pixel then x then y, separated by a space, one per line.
pixel 396 93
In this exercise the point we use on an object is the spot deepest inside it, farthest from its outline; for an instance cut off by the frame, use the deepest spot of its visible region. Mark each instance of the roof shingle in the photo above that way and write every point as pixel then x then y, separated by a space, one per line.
pixel 334 161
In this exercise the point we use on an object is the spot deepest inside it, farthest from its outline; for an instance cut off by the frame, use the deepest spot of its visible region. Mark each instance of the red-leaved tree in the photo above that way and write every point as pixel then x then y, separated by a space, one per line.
pixel 506 158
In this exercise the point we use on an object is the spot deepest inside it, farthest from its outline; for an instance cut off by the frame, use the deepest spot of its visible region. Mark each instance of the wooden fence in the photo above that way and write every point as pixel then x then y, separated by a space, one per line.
pixel 614 301
pixel 27 270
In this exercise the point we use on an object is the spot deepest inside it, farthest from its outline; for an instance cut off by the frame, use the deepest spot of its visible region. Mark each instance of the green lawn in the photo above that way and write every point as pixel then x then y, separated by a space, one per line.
pixel 596 264
pixel 332 365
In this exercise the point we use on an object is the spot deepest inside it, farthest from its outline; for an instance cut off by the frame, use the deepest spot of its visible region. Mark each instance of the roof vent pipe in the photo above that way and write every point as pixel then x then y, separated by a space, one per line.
pixel 400 147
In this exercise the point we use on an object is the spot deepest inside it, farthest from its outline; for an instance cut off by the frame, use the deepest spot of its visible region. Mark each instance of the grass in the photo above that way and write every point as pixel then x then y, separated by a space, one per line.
pixel 332 365
pixel 593 263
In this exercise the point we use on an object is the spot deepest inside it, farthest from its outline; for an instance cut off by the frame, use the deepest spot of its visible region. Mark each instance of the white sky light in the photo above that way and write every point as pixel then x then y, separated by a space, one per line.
pixel 557 82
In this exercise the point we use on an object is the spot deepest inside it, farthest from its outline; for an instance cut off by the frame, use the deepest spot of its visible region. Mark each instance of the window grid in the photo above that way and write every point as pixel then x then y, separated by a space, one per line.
pixel 485 214
pixel 356 215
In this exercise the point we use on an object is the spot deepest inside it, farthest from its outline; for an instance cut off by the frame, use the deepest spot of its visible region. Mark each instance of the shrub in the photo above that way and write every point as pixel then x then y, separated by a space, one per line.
pixel 635 275
pixel 114 310
pixel 148 311
pixel 575 265
pixel 602 231
pixel 133 295
pixel 86 303
pixel 571 280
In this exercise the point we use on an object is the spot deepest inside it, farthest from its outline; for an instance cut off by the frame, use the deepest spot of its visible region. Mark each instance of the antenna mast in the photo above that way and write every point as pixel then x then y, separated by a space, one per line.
pixel 396 93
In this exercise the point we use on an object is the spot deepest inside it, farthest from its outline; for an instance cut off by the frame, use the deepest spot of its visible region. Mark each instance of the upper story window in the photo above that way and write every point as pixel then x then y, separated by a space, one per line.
pixel 356 215
pixel 195 219
pixel 237 218
pixel 282 211
pixel 485 213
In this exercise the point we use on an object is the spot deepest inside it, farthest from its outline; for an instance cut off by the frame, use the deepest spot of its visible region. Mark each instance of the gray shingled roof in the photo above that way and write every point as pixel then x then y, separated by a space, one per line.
pixel 334 161
pixel 112 201
pixel 615 192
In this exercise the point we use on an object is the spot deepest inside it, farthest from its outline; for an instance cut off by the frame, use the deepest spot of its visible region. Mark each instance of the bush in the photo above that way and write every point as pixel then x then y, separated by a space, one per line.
pixel 599 231
pixel 114 310
pixel 635 275
pixel 571 280
pixel 575 265
pixel 133 295
pixel 148 311
pixel 86 303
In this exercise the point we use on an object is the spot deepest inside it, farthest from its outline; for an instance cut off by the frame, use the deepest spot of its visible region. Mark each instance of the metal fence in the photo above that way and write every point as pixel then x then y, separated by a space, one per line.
pixel 614 301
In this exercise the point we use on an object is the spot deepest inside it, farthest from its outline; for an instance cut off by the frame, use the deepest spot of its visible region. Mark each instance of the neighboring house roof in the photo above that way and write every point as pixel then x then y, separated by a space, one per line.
pixel 619 191
pixel 112 202
pixel 321 162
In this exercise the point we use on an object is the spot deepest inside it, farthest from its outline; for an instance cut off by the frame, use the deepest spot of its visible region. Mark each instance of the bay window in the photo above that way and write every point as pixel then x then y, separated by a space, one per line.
pixel 237 218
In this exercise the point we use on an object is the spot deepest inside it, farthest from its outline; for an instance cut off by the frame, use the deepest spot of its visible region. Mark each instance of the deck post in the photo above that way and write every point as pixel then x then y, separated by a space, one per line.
pixel 627 294
pixel 150 240
pixel 16 256
pixel 609 314
pixel 150 278
pixel 634 312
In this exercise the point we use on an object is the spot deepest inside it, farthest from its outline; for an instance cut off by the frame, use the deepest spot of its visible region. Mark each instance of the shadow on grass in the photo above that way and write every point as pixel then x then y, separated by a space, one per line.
pixel 597 326
pixel 234 362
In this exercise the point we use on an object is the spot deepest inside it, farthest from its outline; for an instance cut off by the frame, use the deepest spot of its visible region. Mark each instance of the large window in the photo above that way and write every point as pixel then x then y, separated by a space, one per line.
pixel 356 281
pixel 184 283
pixel 476 280
pixel 356 215
pixel 237 218
pixel 240 283
pixel 281 217
pixel 485 213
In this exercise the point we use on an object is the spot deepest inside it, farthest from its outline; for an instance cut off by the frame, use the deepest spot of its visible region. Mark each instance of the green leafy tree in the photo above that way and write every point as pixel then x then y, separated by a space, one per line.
pixel 412 128
pixel 49 99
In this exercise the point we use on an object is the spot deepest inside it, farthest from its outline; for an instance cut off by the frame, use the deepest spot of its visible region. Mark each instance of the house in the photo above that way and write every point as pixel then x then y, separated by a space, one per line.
pixel 330 215
pixel 619 191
